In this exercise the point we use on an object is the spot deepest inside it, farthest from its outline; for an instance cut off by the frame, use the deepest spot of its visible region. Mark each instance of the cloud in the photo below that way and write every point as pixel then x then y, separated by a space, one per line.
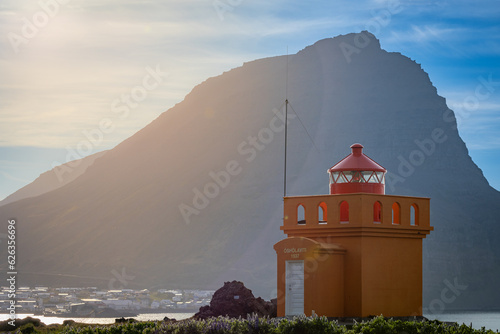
pixel 424 34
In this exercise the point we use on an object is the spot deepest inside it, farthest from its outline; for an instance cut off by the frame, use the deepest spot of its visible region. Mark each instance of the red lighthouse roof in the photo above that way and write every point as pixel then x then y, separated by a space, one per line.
pixel 357 173
pixel 357 160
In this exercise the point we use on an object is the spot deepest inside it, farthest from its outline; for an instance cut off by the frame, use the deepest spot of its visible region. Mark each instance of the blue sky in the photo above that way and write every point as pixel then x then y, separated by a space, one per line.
pixel 66 64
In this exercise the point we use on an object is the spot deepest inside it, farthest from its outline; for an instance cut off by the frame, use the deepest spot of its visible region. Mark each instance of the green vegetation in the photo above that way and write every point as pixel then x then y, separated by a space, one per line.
pixel 255 325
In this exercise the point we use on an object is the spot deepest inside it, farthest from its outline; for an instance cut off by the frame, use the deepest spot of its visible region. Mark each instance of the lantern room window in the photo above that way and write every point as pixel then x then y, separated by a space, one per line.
pixel 380 177
pixel 342 178
pixel 354 176
pixel 369 177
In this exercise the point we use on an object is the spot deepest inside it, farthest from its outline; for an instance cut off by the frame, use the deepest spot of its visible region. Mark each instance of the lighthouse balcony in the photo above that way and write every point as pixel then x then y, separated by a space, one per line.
pixel 310 216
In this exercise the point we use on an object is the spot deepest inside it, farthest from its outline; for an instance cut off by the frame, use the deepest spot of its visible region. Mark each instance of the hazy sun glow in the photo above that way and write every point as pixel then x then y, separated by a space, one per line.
pixel 64 63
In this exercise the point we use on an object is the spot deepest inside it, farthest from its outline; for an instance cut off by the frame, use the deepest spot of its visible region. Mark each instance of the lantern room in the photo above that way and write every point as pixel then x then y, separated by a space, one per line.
pixel 357 173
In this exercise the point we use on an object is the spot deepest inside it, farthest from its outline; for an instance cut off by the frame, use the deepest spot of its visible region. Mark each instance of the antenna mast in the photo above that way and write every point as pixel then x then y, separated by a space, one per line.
pixel 286 121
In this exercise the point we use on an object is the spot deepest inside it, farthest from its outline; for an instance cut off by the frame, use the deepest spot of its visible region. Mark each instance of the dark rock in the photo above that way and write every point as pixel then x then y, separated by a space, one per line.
pixel 235 300
pixel 123 320
pixel 169 319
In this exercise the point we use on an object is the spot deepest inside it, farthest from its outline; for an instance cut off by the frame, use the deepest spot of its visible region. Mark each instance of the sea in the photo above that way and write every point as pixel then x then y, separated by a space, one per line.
pixel 489 320
pixel 101 321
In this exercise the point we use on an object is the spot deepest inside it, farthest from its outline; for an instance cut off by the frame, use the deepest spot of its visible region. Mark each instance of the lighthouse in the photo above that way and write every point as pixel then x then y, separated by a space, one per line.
pixel 355 252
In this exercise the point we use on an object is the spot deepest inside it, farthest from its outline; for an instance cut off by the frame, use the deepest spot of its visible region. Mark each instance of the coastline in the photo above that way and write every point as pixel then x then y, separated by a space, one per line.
pixel 52 320
pixel 106 313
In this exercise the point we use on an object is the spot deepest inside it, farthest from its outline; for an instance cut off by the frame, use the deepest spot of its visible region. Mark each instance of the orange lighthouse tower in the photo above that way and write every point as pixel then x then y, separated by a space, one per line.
pixel 355 252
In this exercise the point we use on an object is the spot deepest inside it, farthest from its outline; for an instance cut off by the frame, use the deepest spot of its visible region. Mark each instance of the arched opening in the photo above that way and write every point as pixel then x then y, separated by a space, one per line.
pixel 301 215
pixel 344 212
pixel 396 217
pixel 322 213
pixel 377 212
pixel 414 214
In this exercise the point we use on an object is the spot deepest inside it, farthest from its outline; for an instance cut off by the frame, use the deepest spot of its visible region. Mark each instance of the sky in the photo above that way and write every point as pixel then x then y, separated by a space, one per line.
pixel 80 76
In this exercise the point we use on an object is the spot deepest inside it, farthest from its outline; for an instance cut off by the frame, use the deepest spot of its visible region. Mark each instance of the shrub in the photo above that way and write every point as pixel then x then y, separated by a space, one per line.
pixel 255 325
pixel 219 325
pixel 313 325
pixel 28 329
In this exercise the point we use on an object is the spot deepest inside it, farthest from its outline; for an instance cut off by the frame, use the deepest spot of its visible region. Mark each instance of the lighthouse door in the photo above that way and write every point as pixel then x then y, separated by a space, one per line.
pixel 294 288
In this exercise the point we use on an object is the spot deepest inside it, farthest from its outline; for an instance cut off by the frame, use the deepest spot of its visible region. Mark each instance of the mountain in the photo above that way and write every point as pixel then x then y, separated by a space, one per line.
pixel 195 198
pixel 53 179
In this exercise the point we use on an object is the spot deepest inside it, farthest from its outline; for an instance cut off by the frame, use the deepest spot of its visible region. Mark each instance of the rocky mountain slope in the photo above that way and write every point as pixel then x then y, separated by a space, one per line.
pixel 195 198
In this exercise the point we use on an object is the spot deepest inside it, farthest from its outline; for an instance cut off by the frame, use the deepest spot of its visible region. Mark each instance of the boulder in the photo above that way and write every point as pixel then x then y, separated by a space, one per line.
pixel 235 300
